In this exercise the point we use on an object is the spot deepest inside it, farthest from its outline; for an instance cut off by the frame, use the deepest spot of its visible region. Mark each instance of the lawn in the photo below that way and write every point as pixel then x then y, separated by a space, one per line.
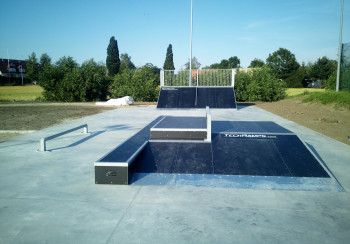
pixel 28 93
pixel 293 92
pixel 338 99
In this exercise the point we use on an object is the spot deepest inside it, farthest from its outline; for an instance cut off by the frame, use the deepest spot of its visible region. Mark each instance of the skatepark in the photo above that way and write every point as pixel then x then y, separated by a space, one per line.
pixel 52 195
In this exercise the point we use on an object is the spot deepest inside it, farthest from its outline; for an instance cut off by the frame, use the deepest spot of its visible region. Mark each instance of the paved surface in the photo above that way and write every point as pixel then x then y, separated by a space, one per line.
pixel 50 197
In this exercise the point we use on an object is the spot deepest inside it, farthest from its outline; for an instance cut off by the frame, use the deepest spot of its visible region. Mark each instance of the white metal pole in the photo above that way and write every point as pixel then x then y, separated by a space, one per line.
pixel 190 75
pixel 340 45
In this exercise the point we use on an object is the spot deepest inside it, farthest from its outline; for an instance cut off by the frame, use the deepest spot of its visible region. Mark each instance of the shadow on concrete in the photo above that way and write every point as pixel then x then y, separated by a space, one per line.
pixel 117 127
pixel 243 105
pixel 93 134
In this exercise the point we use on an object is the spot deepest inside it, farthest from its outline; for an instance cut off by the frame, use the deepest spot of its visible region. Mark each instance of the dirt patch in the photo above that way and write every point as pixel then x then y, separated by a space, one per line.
pixel 36 116
pixel 325 119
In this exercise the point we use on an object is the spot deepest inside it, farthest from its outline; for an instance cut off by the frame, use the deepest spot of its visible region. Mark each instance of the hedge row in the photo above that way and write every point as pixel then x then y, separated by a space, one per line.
pixel 260 84
pixel 141 85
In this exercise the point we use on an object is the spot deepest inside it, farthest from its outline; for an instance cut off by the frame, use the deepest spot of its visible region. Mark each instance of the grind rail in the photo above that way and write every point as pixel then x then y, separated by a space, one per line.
pixel 45 139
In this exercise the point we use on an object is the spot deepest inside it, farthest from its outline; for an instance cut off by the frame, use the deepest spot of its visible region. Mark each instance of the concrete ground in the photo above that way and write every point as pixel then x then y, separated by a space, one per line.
pixel 51 197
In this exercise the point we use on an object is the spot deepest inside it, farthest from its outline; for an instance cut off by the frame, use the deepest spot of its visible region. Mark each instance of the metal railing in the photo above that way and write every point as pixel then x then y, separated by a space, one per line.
pixel 45 139
pixel 204 77
pixel 208 118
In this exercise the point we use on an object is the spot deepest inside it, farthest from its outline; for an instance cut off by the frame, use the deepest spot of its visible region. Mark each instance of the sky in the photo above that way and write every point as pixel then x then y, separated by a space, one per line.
pixel 247 29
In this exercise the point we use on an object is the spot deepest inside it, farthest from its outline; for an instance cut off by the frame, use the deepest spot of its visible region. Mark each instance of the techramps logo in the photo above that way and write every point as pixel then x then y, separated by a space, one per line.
pixel 248 136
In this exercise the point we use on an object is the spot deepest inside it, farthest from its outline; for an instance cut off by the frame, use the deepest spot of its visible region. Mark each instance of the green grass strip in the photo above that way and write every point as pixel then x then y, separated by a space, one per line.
pixel 28 93
pixel 339 99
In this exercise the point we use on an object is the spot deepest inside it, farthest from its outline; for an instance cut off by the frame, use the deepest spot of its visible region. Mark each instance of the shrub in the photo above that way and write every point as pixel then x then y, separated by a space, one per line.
pixel 66 81
pixel 330 83
pixel 260 84
pixel 296 78
pixel 142 84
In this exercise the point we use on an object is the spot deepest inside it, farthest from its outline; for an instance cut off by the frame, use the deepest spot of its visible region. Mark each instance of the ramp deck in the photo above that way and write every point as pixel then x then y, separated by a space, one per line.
pixel 196 97
pixel 243 148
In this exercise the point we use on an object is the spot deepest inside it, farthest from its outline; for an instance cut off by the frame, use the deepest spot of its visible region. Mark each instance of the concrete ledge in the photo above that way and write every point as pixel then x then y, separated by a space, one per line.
pixel 116 166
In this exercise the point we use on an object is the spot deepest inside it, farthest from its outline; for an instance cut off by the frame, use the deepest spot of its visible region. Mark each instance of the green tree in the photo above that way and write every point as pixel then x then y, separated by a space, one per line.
pixel 122 84
pixel 224 64
pixel 283 62
pixel 169 62
pixel 331 82
pixel 256 63
pixel 126 63
pixel 231 63
pixel 213 66
pixel 112 60
pixel 67 81
pixel 195 64
pixel 323 68
pixel 234 62
pixel 95 85
pixel 47 77
pixel 142 84
pixel 44 60
pixel 32 67
pixel 259 85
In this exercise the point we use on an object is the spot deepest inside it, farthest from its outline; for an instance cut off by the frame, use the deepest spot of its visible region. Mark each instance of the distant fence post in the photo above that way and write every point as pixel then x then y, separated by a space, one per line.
pixel 162 78
pixel 233 77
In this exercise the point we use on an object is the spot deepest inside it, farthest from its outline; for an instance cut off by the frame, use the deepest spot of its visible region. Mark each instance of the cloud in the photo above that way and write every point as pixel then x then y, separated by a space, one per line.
pixel 256 24
pixel 246 38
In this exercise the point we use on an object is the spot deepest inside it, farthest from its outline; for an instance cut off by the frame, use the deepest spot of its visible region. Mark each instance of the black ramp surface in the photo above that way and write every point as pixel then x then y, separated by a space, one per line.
pixel 233 154
pixel 248 127
pixel 264 155
pixel 298 158
pixel 176 97
pixel 173 157
pixel 196 97
pixel 182 123
pixel 216 97
pixel 241 156
pixel 124 151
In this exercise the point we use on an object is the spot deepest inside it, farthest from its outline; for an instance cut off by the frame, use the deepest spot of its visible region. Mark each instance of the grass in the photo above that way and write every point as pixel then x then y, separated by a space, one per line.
pixel 296 92
pixel 339 99
pixel 28 93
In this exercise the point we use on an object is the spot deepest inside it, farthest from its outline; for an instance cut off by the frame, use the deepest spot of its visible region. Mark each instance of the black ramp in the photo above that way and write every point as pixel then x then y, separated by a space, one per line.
pixel 246 154
pixel 182 123
pixel 157 158
pixel 194 157
pixel 298 158
pixel 124 151
pixel 242 156
pixel 176 97
pixel 264 155
pixel 216 97
pixel 196 97
pixel 173 157
pixel 248 127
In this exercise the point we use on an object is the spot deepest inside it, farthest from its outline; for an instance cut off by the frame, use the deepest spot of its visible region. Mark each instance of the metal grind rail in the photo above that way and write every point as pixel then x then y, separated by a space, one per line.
pixel 45 139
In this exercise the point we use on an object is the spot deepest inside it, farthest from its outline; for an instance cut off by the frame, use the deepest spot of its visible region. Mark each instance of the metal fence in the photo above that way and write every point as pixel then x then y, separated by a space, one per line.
pixel 204 77
pixel 344 81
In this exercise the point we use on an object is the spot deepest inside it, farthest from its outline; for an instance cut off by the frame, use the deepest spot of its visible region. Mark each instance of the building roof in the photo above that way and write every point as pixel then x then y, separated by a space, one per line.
pixel 14 64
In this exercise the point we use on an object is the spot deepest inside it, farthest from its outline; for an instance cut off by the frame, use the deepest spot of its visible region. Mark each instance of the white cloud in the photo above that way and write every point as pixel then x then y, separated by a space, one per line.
pixel 256 24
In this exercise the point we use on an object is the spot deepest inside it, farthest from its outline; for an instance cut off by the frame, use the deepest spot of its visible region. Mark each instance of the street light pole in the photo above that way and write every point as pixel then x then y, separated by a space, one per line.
pixel 340 45
pixel 190 75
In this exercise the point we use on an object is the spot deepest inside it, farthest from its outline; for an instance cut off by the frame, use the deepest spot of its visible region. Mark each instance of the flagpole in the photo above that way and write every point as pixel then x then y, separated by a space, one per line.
pixel 340 45
pixel 190 75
